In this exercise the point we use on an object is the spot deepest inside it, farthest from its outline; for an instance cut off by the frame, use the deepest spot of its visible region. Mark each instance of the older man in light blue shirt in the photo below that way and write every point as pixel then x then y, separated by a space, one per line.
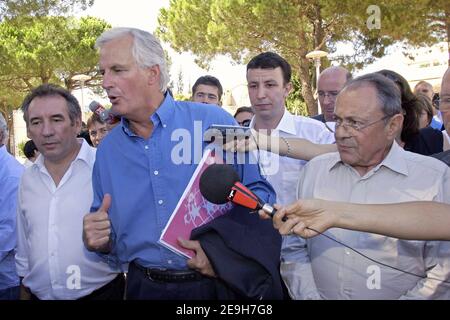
pixel 10 173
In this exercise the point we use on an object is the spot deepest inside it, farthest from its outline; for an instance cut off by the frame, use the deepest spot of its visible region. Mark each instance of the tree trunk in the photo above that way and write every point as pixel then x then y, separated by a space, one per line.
pixel 10 126
pixel 307 90
pixel 11 138
pixel 447 25
pixel 318 28
pixel 303 72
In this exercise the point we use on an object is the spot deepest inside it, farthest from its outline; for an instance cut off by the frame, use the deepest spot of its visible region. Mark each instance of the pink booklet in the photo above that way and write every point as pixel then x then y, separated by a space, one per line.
pixel 192 210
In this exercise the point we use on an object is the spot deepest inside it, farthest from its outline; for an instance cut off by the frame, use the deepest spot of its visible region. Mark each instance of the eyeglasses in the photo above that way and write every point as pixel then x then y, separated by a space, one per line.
pixel 443 104
pixel 356 125
pixel 330 94
pixel 245 123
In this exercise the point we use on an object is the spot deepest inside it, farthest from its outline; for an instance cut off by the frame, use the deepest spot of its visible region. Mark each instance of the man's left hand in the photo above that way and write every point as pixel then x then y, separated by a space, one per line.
pixel 200 261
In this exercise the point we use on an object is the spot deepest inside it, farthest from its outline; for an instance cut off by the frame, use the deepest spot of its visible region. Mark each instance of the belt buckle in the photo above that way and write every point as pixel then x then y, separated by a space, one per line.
pixel 148 274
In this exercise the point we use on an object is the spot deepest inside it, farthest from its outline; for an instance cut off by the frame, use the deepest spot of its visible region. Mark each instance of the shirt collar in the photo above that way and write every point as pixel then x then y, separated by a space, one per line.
pixel 286 124
pixel 86 155
pixel 163 115
pixel 394 161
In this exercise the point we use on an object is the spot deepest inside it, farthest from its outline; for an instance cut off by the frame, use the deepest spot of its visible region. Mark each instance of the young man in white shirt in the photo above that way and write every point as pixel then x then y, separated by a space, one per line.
pixel 269 84
pixel 54 195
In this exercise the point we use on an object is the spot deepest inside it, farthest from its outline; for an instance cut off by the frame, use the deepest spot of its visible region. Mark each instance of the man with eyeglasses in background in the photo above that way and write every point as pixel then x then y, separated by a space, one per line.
pixel 369 168
pixel 207 89
pixel 331 82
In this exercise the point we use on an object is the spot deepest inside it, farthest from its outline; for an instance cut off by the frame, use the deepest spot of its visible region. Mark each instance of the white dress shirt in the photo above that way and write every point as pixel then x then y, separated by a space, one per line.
pixel 322 268
pixel 51 256
pixel 282 172
pixel 446 136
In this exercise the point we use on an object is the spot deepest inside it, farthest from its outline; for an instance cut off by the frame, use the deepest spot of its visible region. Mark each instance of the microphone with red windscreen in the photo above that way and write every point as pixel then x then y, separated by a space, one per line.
pixel 219 183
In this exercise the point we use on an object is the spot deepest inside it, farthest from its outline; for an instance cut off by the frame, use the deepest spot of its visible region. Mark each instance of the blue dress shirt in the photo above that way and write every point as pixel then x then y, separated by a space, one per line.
pixel 435 124
pixel 10 173
pixel 146 178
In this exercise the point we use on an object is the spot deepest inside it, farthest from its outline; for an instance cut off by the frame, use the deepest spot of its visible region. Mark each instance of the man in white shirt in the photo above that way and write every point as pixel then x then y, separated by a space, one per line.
pixel 269 84
pixel 370 167
pixel 54 195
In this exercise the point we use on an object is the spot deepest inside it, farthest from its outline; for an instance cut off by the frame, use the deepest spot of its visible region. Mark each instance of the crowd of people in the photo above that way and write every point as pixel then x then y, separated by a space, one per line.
pixel 362 190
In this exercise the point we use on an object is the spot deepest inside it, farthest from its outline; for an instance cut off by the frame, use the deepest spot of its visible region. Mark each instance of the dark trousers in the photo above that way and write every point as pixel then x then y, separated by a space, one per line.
pixel 113 290
pixel 141 287
pixel 12 293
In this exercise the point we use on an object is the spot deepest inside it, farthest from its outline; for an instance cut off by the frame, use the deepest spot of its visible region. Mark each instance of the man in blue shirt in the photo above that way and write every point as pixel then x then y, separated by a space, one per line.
pixel 10 173
pixel 144 165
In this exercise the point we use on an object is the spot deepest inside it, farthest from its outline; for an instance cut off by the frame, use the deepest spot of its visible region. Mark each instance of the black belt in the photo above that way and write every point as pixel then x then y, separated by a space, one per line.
pixel 166 275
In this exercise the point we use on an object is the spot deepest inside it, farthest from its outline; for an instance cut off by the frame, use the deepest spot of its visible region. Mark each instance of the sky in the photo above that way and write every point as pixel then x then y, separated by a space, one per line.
pixel 143 14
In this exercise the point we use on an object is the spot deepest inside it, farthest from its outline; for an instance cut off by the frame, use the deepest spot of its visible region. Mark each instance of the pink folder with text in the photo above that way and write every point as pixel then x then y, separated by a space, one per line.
pixel 192 210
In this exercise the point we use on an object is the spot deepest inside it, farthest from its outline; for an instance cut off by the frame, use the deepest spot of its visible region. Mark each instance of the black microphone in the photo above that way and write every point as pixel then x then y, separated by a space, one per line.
pixel 104 114
pixel 219 183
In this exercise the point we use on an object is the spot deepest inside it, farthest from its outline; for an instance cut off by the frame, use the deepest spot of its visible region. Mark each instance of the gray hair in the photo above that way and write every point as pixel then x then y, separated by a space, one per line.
pixel 388 93
pixel 3 129
pixel 146 50
pixel 48 90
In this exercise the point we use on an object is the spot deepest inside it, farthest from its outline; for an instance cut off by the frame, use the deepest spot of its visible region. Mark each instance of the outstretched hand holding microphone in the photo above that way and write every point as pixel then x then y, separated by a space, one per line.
pixel 97 228
pixel 219 184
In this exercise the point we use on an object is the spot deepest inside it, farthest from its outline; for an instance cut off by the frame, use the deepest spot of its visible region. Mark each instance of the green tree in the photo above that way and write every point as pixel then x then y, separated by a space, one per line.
pixel 292 28
pixel 46 49
pixel 39 8
pixel 180 82
pixel 409 23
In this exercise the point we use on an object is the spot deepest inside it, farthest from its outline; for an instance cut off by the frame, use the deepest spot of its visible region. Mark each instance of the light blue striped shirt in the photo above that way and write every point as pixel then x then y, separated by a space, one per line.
pixel 146 179
pixel 10 172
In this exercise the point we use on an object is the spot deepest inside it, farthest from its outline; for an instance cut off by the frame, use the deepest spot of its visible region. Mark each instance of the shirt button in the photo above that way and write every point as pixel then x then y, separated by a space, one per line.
pixel 164 125
pixel 169 261
pixel 156 172
pixel 160 202
pixel 146 147
pixel 347 252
